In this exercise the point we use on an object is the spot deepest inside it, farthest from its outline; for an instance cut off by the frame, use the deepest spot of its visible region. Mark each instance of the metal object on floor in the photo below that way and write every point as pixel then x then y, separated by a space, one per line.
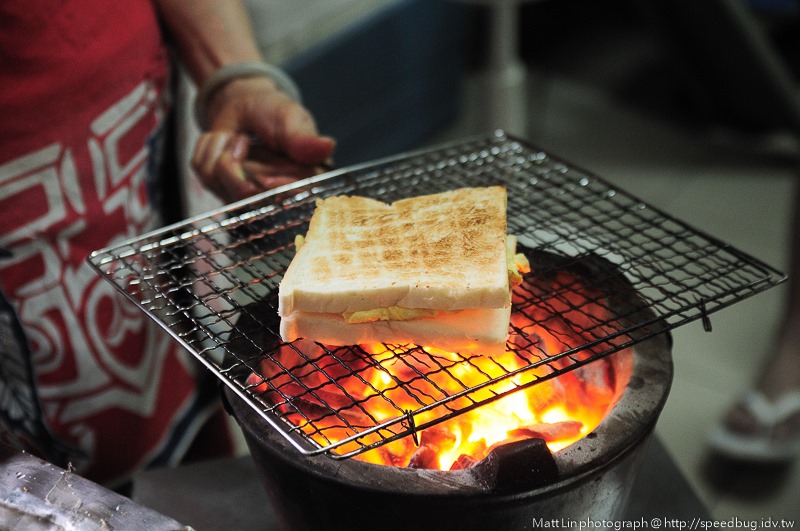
pixel 38 496
pixel 206 278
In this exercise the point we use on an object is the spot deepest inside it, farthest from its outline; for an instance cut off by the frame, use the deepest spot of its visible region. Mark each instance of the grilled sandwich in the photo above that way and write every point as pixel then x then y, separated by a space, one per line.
pixel 433 270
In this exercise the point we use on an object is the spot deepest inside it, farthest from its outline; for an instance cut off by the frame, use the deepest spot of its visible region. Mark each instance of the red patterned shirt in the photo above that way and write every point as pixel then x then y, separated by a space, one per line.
pixel 81 116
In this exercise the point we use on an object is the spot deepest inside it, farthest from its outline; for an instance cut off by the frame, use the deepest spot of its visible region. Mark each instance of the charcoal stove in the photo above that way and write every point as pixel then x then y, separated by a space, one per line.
pixel 515 486
pixel 518 483
pixel 210 282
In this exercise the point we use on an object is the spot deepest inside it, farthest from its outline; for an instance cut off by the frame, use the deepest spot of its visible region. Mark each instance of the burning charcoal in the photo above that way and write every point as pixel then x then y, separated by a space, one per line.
pixel 392 456
pixel 356 418
pixel 425 457
pixel 510 439
pixel 438 438
pixel 313 409
pixel 464 462
pixel 596 382
pixel 328 399
pixel 257 383
pixel 549 432
pixel 433 441
pixel 546 394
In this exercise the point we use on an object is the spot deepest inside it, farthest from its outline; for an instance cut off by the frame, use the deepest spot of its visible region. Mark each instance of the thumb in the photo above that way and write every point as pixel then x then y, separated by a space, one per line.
pixel 300 140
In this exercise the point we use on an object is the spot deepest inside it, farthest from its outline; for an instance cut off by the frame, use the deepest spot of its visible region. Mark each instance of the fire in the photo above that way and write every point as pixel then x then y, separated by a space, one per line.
pixel 547 409
pixel 334 395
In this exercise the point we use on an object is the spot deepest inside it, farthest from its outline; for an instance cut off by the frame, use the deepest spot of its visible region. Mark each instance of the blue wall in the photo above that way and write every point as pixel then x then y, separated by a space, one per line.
pixel 389 83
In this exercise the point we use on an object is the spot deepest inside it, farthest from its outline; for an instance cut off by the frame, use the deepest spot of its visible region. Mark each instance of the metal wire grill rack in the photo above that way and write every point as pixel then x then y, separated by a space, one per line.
pixel 211 282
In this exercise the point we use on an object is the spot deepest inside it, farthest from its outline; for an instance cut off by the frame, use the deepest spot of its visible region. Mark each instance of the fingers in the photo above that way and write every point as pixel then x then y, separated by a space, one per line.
pixel 280 122
pixel 311 150
pixel 300 139
pixel 247 107
pixel 211 145
pixel 217 160
pixel 227 165
pixel 277 172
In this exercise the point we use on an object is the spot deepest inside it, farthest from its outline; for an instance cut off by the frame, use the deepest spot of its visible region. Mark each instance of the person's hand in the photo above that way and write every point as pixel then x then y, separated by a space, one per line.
pixel 258 138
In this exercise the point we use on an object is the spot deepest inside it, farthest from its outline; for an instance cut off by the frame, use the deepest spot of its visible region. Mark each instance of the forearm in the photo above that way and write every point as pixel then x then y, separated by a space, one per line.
pixel 209 33
pixel 244 100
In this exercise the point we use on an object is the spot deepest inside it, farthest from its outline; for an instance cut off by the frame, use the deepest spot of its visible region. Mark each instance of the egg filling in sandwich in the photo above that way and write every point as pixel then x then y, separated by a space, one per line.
pixel 434 270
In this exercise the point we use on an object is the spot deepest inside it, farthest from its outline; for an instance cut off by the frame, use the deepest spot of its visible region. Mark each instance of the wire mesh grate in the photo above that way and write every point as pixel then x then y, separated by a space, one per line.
pixel 608 271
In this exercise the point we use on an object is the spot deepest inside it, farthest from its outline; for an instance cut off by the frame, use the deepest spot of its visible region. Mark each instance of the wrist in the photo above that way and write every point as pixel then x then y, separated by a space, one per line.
pixel 224 75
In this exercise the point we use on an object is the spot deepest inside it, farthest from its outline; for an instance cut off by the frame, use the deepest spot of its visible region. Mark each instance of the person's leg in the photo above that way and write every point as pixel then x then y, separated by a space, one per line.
pixel 781 374
pixel 765 424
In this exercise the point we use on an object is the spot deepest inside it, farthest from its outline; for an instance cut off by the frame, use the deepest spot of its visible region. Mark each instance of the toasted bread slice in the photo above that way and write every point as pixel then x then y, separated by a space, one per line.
pixel 443 251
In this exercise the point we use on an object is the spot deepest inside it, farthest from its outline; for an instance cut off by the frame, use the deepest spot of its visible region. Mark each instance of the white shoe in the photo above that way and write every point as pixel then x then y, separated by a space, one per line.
pixel 765 444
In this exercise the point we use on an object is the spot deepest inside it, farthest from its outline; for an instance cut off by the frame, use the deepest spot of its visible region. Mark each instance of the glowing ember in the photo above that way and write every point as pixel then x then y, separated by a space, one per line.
pixel 335 395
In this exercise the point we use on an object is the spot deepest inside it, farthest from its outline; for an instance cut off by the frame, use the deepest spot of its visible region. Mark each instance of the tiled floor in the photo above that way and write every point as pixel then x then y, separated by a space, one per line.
pixel 729 189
